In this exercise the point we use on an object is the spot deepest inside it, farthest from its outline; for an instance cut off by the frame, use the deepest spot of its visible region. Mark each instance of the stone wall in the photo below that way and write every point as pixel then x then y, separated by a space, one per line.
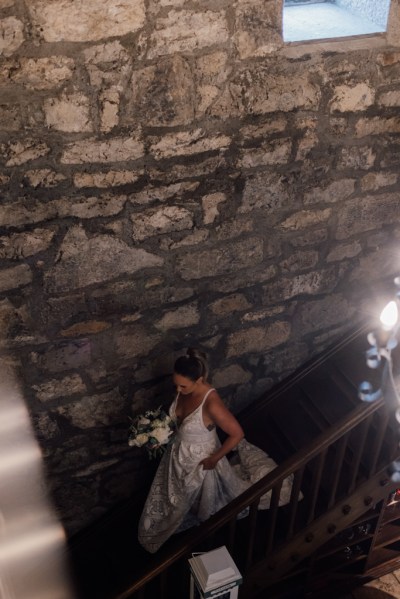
pixel 171 177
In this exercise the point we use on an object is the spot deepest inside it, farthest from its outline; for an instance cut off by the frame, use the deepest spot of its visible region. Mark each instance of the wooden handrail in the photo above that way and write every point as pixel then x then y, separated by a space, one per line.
pixel 320 444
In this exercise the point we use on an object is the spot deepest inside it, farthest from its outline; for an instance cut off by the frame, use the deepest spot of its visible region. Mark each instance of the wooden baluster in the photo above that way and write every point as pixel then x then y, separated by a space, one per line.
pixel 337 468
pixel 363 426
pixel 184 576
pixel 272 513
pixel 252 534
pixel 163 584
pixel 316 484
pixel 379 437
pixel 294 500
pixel 231 535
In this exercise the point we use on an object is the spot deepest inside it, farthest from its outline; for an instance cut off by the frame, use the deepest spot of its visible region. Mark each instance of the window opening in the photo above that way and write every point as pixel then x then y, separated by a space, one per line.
pixel 326 19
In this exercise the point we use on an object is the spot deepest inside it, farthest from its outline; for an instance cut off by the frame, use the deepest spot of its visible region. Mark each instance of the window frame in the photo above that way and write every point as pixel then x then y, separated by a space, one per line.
pixel 370 41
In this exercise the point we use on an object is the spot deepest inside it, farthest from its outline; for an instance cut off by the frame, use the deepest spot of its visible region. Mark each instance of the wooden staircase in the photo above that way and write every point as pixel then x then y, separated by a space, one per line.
pixel 336 448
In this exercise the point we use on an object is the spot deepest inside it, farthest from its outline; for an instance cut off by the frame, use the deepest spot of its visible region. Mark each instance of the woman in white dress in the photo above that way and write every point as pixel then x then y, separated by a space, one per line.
pixel 194 479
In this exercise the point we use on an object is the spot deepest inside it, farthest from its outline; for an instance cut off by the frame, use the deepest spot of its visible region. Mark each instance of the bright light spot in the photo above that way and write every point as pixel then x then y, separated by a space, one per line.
pixel 19 458
pixel 21 547
pixel 389 315
pixel 32 541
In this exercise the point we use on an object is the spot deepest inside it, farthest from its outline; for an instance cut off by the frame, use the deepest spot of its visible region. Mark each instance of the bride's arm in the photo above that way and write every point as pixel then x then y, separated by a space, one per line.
pixel 222 417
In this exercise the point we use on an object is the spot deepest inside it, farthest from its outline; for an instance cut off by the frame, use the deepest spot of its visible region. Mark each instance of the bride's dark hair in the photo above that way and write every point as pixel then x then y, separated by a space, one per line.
pixel 193 365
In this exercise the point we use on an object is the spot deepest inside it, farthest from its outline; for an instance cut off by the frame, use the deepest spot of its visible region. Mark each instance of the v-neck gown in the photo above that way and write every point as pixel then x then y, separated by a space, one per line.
pixel 183 494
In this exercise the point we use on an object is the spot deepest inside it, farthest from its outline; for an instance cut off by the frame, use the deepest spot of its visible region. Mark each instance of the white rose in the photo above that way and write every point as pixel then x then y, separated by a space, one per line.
pixel 157 423
pixel 161 434
pixel 142 421
pixel 139 440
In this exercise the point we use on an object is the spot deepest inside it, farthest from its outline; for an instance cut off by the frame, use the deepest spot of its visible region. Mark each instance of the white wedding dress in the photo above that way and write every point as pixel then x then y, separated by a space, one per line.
pixel 183 494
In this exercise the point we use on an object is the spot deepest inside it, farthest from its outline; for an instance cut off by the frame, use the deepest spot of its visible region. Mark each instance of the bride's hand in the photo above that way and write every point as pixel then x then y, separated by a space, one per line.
pixel 209 463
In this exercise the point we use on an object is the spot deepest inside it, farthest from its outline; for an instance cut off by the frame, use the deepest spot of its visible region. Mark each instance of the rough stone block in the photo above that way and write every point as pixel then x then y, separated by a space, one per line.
pixel 84 261
pixel 66 20
pixel 163 94
pixel 70 355
pixel 306 144
pixel 258 28
pixel 186 31
pixel 210 74
pixel 21 245
pixel 357 158
pixel 265 314
pixel 159 221
pixel 69 113
pixel 194 238
pixel 266 191
pixel 274 152
pixel 69 385
pixel 201 167
pixel 19 152
pixel 377 126
pixel 215 262
pixel 231 375
pixel 162 193
pixel 310 283
pixel 270 92
pixel 334 192
pixel 229 304
pixel 341 252
pixel 388 58
pixel 375 181
pixel 104 180
pixel 90 327
pixel 17 276
pixel 44 177
pixel 300 261
pixel 45 426
pixel 390 98
pixel 186 143
pixel 306 218
pixel 383 261
pixel 11 117
pixel 43 73
pixel 367 214
pixel 352 98
pixel 210 205
pixel 247 278
pixel 117 149
pixel 90 207
pixel 108 65
pixel 258 339
pixel 11 35
pixel 135 340
pixel 109 109
pixel 95 410
pixel 181 318
pixel 321 314
pixel 233 228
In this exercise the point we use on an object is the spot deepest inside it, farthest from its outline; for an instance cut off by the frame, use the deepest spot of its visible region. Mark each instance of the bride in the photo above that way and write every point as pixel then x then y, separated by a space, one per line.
pixel 194 479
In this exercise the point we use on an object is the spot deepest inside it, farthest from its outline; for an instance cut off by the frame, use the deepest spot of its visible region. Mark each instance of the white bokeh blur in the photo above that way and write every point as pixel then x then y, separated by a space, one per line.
pixel 32 541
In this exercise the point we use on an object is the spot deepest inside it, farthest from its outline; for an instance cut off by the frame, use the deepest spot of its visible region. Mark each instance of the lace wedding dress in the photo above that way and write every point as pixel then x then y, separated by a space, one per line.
pixel 183 494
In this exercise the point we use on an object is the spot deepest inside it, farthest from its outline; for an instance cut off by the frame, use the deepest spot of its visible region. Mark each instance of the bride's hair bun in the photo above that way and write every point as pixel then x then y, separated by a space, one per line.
pixel 193 365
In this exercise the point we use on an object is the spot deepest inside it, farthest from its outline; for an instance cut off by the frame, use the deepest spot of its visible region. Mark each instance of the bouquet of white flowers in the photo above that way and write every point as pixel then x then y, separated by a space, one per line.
pixel 153 430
